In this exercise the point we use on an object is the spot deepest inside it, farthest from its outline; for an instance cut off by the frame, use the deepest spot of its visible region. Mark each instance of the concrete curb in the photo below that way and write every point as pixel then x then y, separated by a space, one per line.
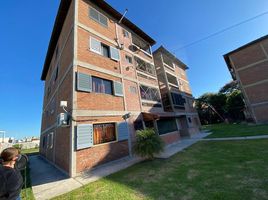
pixel 236 138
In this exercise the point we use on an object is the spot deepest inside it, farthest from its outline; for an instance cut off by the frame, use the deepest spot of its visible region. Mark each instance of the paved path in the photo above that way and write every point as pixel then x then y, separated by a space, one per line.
pixel 48 181
pixel 237 138
pixel 182 144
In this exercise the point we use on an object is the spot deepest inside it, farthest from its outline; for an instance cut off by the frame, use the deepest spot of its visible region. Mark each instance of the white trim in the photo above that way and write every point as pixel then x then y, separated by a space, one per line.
pixel 168 67
pixel 256 83
pixel 146 74
pixel 100 113
pixel 259 104
pixel 251 65
pixel 90 30
pixel 150 101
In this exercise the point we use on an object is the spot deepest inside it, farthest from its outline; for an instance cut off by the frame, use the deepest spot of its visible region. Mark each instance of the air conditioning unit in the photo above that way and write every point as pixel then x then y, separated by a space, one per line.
pixel 63 120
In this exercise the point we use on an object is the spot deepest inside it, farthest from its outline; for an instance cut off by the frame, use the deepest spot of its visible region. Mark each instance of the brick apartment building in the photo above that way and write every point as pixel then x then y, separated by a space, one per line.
pixel 104 69
pixel 176 95
pixel 249 66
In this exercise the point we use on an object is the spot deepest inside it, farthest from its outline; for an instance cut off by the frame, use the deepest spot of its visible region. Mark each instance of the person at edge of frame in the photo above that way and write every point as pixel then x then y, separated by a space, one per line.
pixel 11 181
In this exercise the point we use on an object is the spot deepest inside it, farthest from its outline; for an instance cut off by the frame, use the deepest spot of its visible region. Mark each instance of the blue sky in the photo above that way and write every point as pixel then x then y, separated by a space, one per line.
pixel 26 28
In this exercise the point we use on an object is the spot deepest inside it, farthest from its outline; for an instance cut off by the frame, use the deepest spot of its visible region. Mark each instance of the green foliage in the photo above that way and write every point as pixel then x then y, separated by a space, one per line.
pixel 228 102
pixel 148 143
pixel 229 87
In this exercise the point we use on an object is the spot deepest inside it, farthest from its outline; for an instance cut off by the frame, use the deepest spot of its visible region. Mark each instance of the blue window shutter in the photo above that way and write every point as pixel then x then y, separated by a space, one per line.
pixel 84 136
pixel 95 45
pixel 114 53
pixel 84 82
pixel 118 89
pixel 122 131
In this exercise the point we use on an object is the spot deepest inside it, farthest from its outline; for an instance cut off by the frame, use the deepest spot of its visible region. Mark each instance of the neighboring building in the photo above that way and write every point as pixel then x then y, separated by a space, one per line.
pixel 103 70
pixel 176 94
pixel 249 66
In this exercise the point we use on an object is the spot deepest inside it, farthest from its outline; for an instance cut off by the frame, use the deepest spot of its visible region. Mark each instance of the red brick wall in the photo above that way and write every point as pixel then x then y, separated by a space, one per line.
pixel 132 99
pixel 253 74
pixel 100 154
pixel 84 53
pixel 261 113
pixel 170 137
pixel 83 17
pixel 258 93
pixel 99 101
pixel 247 56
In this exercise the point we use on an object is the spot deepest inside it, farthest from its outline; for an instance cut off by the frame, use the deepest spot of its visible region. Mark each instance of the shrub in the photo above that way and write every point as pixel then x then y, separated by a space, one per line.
pixel 148 143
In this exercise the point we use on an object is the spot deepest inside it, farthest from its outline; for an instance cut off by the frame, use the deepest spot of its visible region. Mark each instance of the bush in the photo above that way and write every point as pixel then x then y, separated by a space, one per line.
pixel 148 143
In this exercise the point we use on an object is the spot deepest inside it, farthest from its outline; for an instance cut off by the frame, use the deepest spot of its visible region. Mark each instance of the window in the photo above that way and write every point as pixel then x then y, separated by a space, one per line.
pixel 95 45
pixel 178 100
pixel 114 53
pixel 144 66
pixel 44 141
pixel 128 59
pixel 50 136
pixel 101 86
pixel 103 133
pixel 133 89
pixel 141 44
pixel 168 61
pixel 125 33
pixel 98 17
pixel 172 79
pixel 148 93
pixel 189 120
pixel 103 49
pixel 166 125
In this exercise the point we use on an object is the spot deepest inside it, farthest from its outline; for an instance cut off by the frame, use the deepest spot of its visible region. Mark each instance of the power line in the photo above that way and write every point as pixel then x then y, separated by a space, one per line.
pixel 220 31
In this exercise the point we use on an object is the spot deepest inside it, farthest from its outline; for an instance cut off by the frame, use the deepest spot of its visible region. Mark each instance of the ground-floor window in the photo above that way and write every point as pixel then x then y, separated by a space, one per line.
pixel 166 125
pixel 104 133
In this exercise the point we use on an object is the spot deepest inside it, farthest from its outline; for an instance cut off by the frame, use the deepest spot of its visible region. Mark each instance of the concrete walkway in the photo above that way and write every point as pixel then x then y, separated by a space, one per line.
pixel 49 182
pixel 182 144
pixel 237 138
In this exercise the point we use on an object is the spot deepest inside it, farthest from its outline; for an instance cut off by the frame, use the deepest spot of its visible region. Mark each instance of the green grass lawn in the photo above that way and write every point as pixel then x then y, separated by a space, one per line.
pixel 208 170
pixel 27 193
pixel 30 151
pixel 235 130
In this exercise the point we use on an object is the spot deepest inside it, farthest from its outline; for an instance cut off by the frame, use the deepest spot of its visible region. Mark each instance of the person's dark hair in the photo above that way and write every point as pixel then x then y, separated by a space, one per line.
pixel 9 153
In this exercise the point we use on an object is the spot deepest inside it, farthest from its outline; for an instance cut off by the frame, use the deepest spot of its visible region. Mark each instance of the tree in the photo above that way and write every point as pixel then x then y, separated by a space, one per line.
pixel 227 103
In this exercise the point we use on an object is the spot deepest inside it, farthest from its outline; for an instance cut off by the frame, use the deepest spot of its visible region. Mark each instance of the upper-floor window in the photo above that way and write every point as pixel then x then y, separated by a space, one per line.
pixel 144 66
pixel 98 17
pixel 104 133
pixel 177 99
pixel 168 61
pixel 125 33
pixel 103 49
pixel 149 93
pixel 143 45
pixel 100 85
pixel 128 59
pixel 172 79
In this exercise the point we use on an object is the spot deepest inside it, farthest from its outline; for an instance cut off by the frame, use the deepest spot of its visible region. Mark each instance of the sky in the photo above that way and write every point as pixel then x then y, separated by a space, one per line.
pixel 26 28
